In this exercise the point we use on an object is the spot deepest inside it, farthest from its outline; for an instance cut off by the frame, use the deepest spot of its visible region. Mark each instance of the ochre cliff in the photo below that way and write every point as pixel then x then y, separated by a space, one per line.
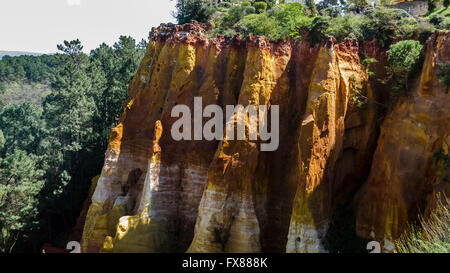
pixel 405 178
pixel 156 194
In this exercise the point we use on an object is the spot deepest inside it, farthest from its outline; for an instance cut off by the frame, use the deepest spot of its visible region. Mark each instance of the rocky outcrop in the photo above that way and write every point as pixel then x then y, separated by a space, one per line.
pixel 156 194
pixel 405 177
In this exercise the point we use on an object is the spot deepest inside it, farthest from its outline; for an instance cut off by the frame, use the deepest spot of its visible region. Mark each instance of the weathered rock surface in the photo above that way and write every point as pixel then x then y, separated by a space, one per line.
pixel 404 178
pixel 159 195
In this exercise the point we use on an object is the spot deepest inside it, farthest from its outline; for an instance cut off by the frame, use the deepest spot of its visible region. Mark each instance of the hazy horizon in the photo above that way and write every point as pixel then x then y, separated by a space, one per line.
pixel 38 26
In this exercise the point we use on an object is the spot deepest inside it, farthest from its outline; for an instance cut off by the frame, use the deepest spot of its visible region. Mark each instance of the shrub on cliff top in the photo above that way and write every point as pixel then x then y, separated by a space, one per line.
pixel 444 74
pixel 226 5
pixel 260 7
pixel 403 57
pixel 246 3
pixel 198 10
pixel 404 54
pixel 424 30
pixel 348 26
pixel 280 22
pixel 290 18
pixel 331 12
pixel 440 21
pixel 20 184
pixel 259 24
pixel 223 23
pixel 318 28
pixel 431 5
pixel 387 25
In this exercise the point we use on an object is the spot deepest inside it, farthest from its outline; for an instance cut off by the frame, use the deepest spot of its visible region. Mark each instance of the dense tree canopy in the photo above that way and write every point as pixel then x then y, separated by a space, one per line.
pixel 49 153
pixel 27 68
pixel 343 19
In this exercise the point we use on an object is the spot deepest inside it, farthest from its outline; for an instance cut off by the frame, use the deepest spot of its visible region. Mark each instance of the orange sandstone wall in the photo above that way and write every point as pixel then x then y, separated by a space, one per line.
pixel 158 195
pixel 404 178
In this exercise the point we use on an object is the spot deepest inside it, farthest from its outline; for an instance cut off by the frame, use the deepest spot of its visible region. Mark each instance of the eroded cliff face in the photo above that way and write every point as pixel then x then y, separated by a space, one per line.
pixel 160 195
pixel 405 176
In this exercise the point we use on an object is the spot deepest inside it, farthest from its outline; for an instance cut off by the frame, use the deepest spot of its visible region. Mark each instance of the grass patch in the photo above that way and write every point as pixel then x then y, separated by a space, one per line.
pixel 433 234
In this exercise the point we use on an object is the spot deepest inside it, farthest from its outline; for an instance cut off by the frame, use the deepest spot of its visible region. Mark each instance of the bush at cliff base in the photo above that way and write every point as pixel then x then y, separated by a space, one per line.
pixel 433 235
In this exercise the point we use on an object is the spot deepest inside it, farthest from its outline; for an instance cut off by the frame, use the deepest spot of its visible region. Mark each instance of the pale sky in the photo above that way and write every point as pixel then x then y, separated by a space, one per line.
pixel 39 25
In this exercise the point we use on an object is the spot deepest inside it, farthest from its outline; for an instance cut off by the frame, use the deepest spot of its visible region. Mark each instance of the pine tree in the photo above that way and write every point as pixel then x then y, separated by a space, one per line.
pixel 20 184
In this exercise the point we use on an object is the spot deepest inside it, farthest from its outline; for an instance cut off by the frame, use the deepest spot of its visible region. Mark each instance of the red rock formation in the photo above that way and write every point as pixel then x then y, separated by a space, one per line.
pixel 153 190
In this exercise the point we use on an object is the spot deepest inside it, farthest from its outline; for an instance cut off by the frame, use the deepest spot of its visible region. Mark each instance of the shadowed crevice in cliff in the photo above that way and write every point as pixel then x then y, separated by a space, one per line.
pixel 274 197
pixel 336 142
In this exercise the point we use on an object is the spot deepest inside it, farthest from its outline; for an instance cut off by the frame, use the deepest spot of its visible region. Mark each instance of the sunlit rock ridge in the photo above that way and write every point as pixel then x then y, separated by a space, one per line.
pixel 337 180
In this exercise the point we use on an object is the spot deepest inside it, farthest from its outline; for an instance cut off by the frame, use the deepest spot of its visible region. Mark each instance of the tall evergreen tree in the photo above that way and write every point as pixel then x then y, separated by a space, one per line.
pixel 20 184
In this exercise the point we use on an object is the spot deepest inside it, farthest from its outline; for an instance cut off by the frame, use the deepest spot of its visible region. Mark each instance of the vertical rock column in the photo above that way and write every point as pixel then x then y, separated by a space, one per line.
pixel 320 144
pixel 227 220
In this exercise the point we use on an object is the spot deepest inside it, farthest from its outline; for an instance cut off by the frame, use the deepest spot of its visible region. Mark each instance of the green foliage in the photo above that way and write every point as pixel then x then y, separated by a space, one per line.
pixel 225 22
pixel 384 3
pixel 65 138
pixel 403 57
pixel 437 19
pixel 26 78
pixel 387 25
pixel 433 233
pixel 440 17
pixel 358 93
pixel 270 3
pixel 358 5
pixel 347 26
pixel 22 128
pixel 20 184
pixel 431 5
pixel 293 20
pixel 442 10
pixel 446 3
pixel 290 18
pixel 198 10
pixel 280 22
pixel 260 7
pixel 26 68
pixel 2 140
pixel 444 74
pixel 258 24
pixel 329 3
pixel 311 6
pixel 366 62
